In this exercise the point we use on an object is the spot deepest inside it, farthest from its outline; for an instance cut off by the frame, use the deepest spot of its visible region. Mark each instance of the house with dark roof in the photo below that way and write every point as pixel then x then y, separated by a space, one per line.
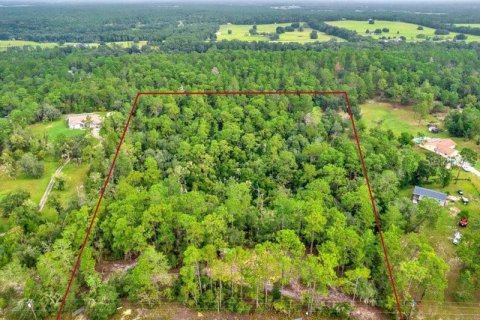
pixel 419 193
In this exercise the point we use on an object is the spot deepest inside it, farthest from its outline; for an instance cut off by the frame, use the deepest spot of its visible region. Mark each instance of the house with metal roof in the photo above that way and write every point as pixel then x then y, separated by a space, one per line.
pixel 419 193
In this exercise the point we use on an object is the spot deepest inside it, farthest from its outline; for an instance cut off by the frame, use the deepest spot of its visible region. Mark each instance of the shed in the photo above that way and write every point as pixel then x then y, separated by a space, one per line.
pixel 419 193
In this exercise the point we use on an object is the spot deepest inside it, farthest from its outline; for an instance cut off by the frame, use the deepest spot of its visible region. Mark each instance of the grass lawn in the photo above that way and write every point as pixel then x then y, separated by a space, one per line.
pixel 440 238
pixel 76 175
pixel 240 32
pixel 403 119
pixel 54 129
pixel 397 29
pixel 36 187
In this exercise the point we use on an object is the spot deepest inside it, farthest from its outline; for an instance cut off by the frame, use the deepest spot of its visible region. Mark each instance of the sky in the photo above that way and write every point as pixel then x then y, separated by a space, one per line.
pixel 241 1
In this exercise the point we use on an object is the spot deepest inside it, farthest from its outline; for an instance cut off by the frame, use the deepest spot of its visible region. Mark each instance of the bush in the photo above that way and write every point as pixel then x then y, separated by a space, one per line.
pixel 442 32
pixel 276 294
pixel 295 25
pixel 339 310
pixel 289 29
pixel 102 302
pixel 243 308
pixel 280 30
pixel 386 30
pixel 378 31
pixel 274 37
pixel 465 288
pixel 314 35
pixel 31 166
pixel 421 36
pixel 419 28
pixel 460 36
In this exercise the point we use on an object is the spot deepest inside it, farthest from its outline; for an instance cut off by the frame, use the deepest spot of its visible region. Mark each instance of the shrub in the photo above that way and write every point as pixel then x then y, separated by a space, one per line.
pixel 31 166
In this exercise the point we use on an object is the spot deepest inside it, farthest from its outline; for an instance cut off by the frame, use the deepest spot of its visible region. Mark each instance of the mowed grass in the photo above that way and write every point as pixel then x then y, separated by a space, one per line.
pixel 74 173
pixel 75 176
pixel 396 29
pixel 36 187
pixel 441 240
pixel 399 119
pixel 54 129
pixel 403 119
pixel 241 32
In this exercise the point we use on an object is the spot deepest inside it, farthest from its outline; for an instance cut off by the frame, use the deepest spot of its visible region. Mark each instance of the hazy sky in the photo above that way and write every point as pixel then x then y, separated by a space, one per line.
pixel 242 2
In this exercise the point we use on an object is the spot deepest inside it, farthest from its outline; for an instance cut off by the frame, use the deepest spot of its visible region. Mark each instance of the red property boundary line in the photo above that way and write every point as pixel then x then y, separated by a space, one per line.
pixel 234 93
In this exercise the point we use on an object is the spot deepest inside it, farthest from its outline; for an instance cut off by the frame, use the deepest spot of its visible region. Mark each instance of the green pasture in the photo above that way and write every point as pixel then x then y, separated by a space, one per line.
pixel 397 29
pixel 54 129
pixel 36 187
pixel 472 25
pixel 240 32
pixel 4 44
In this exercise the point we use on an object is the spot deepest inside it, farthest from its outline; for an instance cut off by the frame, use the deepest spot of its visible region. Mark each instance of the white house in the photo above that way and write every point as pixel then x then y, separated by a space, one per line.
pixel 83 121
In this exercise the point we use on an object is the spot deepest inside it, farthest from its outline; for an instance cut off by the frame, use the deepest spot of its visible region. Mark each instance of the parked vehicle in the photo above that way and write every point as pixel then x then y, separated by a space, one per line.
pixel 457 237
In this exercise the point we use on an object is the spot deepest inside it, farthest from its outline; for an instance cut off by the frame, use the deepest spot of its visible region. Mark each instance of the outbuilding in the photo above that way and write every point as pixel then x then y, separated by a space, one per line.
pixel 419 193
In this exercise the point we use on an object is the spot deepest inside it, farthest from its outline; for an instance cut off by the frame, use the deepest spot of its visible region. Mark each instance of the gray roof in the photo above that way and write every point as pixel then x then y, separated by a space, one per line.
pixel 429 193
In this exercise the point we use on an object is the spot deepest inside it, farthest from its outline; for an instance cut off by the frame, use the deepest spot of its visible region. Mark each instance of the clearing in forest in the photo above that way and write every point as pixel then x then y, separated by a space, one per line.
pixel 396 29
pixel 241 32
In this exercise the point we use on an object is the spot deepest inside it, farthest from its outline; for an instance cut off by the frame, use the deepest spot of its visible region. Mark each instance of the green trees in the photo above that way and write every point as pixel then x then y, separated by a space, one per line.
pixel 145 281
pixel 31 166
pixel 244 195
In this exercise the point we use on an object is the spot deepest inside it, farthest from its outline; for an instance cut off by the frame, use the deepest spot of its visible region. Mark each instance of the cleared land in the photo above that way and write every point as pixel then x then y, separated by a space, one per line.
pixel 403 119
pixel 4 44
pixel 241 32
pixel 54 129
pixel 396 29
pixel 473 25
pixel 75 174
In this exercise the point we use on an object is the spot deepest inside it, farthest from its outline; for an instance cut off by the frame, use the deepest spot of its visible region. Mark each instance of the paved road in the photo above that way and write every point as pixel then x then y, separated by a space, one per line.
pixel 50 186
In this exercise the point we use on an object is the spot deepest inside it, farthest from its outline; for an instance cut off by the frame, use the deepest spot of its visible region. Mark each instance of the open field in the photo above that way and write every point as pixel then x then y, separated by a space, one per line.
pixel 74 173
pixel 397 29
pixel 240 32
pixel 4 44
pixel 473 25
pixel 36 187
pixel 75 177
pixel 54 129
pixel 20 43
pixel 403 119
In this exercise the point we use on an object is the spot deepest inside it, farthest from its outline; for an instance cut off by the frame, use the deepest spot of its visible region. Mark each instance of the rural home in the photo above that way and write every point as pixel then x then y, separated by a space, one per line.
pixel 419 193
pixel 82 121
pixel 443 147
